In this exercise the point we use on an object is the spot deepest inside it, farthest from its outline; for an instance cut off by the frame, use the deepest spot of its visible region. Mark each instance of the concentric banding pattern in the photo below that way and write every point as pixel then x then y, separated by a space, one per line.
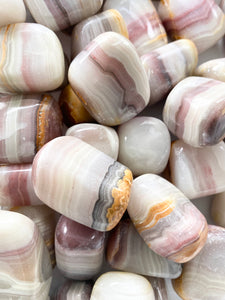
pixel 194 111
pixel 81 182
pixel 168 222
pixel 70 290
pixel 120 88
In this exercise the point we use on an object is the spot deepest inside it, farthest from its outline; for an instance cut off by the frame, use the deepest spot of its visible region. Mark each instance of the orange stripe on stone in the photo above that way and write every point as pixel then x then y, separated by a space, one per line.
pixel 120 22
pixel 156 212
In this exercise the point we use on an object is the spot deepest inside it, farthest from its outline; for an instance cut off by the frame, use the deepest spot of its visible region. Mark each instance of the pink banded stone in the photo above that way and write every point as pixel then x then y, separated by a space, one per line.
pixel 81 182
pixel 74 290
pixel 167 221
pixel 203 278
pixel 101 137
pixel 32 59
pixel 201 21
pixel 198 172
pixel 167 65
pixel 79 249
pixel 58 15
pixel 27 122
pixel 109 79
pixel 12 11
pixel 85 31
pixel 194 111
pixel 25 266
pixel 144 26
pixel 16 187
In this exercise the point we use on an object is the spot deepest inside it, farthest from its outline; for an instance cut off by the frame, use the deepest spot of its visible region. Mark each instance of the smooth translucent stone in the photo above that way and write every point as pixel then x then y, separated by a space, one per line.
pixel 168 65
pixel 122 286
pixel 214 68
pixel 167 221
pixel 72 108
pixel 144 145
pixel 25 266
pixel 45 219
pixel 74 290
pixel 201 21
pixel 159 287
pixel 26 124
pixel 127 251
pixel 144 26
pixel 12 11
pixel 16 187
pixel 198 172
pixel 109 79
pixel 203 278
pixel 58 15
pixel 218 209
pixel 84 32
pixel 81 182
pixel 32 59
pixel 194 111
pixel 79 249
pixel 101 137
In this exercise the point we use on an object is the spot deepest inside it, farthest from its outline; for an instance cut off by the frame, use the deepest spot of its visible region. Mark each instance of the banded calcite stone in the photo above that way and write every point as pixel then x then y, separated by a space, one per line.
pixel 85 31
pixel 169 64
pixel 109 79
pixel 71 290
pixel 25 267
pixel 32 59
pixel 12 11
pixel 201 21
pixel 16 187
pixel 127 251
pixel 79 249
pixel 27 122
pixel 144 145
pixel 81 182
pixel 122 286
pixel 58 15
pixel 218 209
pixel 72 108
pixel 198 172
pixel 167 221
pixel 45 219
pixel 159 288
pixel 194 111
pixel 144 26
pixel 203 278
pixel 101 137
pixel 214 68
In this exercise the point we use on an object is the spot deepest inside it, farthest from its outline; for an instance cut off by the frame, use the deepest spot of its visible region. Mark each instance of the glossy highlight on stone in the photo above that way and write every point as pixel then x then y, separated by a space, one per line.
pixel 122 286
pixel 85 31
pixel 27 62
pixel 79 249
pixel 167 221
pixel 167 65
pixel 198 172
pixel 203 278
pixel 194 111
pixel 201 21
pixel 12 11
pixel 144 26
pixel 127 251
pixel 16 187
pixel 159 287
pixel 27 122
pixel 72 108
pixel 81 182
pixel 218 209
pixel 25 267
pixel 71 290
pixel 58 15
pixel 144 145
pixel 101 137
pixel 109 79
pixel 214 68
pixel 45 219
